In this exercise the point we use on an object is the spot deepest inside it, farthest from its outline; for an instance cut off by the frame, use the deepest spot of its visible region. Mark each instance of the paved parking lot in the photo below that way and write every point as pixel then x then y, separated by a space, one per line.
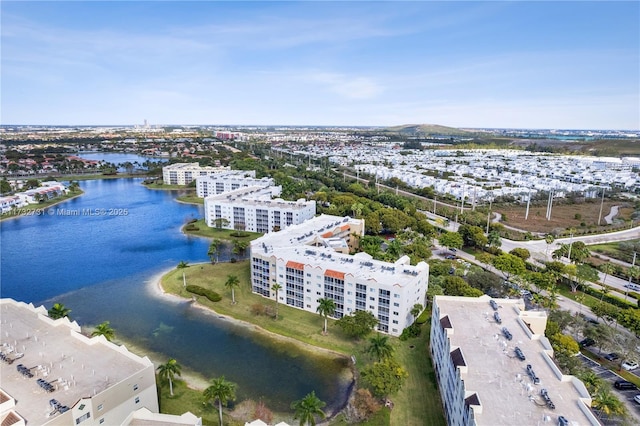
pixel 626 396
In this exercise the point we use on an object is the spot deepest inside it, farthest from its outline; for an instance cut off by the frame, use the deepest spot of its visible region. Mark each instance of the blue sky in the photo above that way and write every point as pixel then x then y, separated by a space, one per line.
pixel 462 64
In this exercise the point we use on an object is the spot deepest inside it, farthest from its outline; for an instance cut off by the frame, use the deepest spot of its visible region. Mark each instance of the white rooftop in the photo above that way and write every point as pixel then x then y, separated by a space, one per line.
pixel 506 392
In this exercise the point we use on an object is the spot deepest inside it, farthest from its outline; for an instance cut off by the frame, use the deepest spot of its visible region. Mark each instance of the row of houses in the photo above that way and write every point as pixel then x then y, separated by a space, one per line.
pixel 47 191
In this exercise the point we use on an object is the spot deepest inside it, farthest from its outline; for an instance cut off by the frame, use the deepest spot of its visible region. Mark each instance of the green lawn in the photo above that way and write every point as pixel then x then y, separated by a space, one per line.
pixel 417 403
pixel 168 187
pixel 222 234
pixel 613 250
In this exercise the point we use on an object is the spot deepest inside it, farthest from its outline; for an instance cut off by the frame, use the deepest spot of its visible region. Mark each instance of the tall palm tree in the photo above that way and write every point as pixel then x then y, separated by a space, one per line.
pixel 325 308
pixel 276 287
pixel 58 310
pixel 307 408
pixel 608 269
pixel 105 330
pixel 214 249
pixel 183 264
pixel 549 239
pixel 222 391
pixel 379 347
pixel 168 371
pixel 415 311
pixel 232 282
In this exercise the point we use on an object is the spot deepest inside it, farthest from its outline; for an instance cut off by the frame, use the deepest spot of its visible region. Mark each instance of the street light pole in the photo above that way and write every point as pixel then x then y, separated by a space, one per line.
pixel 570 245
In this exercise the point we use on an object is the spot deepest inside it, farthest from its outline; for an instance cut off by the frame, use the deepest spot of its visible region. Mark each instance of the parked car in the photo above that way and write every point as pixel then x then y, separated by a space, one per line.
pixel 624 385
pixel 629 365
pixel 612 356
pixel 587 342
pixel 450 257
pixel 637 398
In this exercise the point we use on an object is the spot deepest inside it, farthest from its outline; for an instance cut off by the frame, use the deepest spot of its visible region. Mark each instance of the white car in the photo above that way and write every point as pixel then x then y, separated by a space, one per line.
pixel 637 398
pixel 629 365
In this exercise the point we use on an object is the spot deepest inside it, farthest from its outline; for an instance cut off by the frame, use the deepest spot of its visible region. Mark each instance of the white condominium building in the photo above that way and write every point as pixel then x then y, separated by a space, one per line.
pixel 311 261
pixel 184 173
pixel 252 209
pixel 54 375
pixel 229 181
pixel 494 366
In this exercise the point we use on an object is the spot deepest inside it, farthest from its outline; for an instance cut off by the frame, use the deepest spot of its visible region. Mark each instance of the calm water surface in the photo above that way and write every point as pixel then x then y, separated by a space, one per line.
pixel 101 267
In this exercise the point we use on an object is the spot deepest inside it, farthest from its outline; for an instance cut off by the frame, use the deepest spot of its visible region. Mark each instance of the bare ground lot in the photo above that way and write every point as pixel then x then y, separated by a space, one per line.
pixel 582 217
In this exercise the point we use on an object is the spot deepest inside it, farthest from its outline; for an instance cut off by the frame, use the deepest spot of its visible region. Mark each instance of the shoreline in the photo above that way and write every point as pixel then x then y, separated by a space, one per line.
pixel 154 285
pixel 41 208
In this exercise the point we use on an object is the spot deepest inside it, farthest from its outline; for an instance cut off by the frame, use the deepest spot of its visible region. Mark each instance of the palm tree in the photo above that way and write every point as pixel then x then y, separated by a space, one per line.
pixel 379 347
pixel 169 371
pixel 232 282
pixel 608 269
pixel 307 408
pixel 58 310
pixel 276 287
pixel 325 308
pixel 105 330
pixel 607 403
pixel 221 391
pixel 549 239
pixel 415 311
pixel 182 264
pixel 214 249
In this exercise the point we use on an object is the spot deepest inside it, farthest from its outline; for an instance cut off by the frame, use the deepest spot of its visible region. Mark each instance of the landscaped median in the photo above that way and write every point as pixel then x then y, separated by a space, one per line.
pixel 418 402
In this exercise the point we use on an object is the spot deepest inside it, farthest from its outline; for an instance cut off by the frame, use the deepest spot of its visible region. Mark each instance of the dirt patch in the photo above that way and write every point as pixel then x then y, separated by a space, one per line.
pixel 581 216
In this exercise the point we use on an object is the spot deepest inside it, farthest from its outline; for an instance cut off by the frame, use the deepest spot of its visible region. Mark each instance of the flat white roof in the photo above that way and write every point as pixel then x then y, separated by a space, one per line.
pixel 506 392
pixel 75 365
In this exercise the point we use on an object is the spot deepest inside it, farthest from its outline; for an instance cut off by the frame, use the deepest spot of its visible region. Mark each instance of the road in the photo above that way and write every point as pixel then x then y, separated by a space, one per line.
pixel 541 252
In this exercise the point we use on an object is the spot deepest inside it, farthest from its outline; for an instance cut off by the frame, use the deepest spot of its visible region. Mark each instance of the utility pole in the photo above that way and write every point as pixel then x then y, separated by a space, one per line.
pixel 526 215
pixel 601 204
pixel 489 215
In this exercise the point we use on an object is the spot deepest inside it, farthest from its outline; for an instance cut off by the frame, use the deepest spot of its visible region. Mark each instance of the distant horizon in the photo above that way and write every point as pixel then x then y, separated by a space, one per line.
pixel 152 126
pixel 465 64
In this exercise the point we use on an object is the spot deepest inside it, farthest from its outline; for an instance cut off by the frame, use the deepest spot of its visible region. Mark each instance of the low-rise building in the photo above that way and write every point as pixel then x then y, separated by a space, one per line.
pixel 52 374
pixel 230 181
pixel 494 366
pixel 184 173
pixel 253 209
pixel 311 261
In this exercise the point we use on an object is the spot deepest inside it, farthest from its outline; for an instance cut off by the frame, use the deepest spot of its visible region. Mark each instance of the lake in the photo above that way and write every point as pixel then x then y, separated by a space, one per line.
pixel 101 266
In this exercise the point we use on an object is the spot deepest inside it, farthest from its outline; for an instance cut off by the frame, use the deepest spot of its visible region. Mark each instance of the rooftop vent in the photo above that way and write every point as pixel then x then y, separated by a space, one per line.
pixel 496 316
pixel 493 304
pixel 547 400
pixel 532 374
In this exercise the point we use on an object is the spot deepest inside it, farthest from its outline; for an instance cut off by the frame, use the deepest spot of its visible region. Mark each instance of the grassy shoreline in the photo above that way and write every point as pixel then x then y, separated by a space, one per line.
pixel 417 403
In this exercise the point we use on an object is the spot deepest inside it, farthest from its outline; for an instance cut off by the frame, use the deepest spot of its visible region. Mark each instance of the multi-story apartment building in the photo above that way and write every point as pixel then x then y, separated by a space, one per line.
pixel 230 181
pixel 311 261
pixel 184 173
pixel 54 375
pixel 494 366
pixel 253 209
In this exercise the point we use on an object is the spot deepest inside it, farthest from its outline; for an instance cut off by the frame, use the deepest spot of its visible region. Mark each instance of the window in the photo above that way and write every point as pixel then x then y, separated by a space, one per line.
pixel 137 400
pixel 396 296
pixel 372 298
pixel 371 307
pixel 100 407
pixel 395 313
pixel 135 387
pixel 395 321
pixel 396 304
pixel 101 420
pixel 82 418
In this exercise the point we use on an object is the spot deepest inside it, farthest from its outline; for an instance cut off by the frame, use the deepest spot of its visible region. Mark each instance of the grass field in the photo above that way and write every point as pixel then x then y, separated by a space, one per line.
pixel 222 234
pixel 418 403
pixel 563 216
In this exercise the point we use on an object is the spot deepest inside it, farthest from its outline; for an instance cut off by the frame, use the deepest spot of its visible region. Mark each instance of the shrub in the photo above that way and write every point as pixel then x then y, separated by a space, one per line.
pixel 410 332
pixel 201 291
